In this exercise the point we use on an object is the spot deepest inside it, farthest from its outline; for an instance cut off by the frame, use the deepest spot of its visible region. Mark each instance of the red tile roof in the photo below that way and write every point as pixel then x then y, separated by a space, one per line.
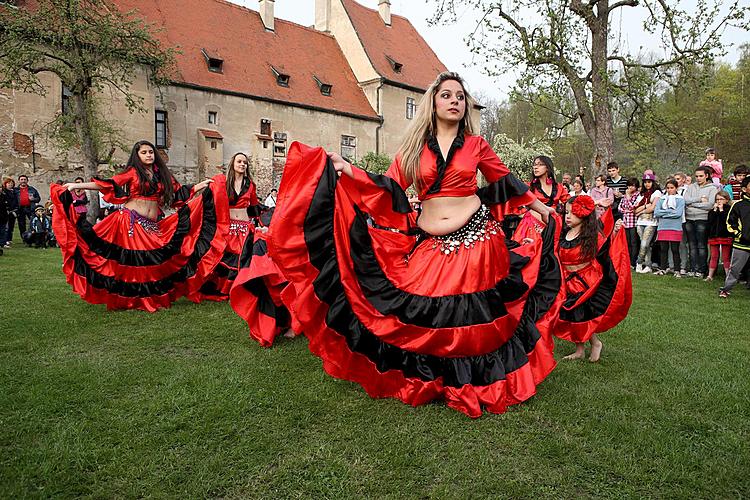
pixel 237 35
pixel 400 41
pixel 211 134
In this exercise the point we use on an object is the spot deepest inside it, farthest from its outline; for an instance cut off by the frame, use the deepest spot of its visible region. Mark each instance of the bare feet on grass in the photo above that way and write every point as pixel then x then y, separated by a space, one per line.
pixel 290 334
pixel 579 354
pixel 596 349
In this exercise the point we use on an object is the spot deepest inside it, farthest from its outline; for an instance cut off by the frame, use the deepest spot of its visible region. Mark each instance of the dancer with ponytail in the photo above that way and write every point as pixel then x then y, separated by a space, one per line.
pixel 596 271
pixel 243 206
pixel 134 259
pixel 436 307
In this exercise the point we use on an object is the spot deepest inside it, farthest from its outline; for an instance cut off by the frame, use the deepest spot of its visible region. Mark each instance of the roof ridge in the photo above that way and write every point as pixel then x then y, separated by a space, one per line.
pixel 276 19
pixel 377 11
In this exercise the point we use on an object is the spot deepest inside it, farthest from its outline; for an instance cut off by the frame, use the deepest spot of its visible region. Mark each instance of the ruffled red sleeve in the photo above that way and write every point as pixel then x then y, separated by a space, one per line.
pixel 504 193
pixel 182 193
pixel 395 173
pixel 119 188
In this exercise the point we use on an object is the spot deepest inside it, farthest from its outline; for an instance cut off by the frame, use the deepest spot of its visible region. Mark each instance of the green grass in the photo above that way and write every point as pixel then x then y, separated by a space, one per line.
pixel 181 404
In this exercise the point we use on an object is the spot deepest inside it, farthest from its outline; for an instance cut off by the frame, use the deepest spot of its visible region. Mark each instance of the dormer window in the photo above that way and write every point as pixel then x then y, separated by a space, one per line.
pixel 282 78
pixel 325 88
pixel 395 65
pixel 215 63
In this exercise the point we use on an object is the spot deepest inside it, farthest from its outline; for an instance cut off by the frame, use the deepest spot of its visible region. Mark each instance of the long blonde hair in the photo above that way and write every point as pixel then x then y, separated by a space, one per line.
pixel 425 125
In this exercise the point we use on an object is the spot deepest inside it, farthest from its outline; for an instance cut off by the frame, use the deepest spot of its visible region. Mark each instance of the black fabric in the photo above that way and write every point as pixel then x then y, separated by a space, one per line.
pixel 165 285
pixel 448 311
pixel 120 191
pixel 132 257
pixel 440 162
pixel 247 251
pixel 455 371
pixel 502 190
pixel 597 304
pixel 183 194
pixel 399 201
pixel 536 187
pixel 265 304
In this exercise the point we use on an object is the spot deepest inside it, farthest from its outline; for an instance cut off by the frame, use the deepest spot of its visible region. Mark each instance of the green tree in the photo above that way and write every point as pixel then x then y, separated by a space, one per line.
pixel 374 162
pixel 91 46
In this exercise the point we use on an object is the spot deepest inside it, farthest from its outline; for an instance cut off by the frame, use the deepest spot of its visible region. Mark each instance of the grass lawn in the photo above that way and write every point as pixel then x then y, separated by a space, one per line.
pixel 181 404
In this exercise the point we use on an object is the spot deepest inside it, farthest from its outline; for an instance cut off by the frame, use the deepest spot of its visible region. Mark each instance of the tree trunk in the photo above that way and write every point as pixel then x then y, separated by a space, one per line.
pixel 603 140
pixel 82 121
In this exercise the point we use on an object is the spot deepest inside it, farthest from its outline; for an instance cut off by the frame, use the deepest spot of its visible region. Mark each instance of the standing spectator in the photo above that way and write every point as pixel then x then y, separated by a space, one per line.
pixel 645 223
pixel 627 209
pixel 618 184
pixel 603 195
pixel 3 220
pixel 27 196
pixel 271 198
pixel 719 237
pixel 80 200
pixel 699 200
pixel 567 181
pixel 681 179
pixel 669 211
pixel 715 166
pixel 9 190
pixel 578 188
pixel 734 187
pixel 738 222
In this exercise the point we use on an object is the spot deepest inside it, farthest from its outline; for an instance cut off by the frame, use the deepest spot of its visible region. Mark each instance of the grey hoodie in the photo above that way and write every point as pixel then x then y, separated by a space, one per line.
pixel 695 209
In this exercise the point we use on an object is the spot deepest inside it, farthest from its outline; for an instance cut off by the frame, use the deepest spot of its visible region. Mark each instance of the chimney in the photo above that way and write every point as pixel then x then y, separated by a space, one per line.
pixel 266 13
pixel 323 15
pixel 384 6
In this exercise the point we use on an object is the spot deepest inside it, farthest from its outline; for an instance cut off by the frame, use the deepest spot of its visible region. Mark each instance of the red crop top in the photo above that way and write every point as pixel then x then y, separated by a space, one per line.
pixel 247 198
pixel 126 186
pixel 557 198
pixel 468 154
pixel 570 250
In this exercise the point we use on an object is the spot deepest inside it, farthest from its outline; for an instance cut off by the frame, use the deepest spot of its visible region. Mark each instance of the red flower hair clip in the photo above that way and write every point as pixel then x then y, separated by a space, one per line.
pixel 582 206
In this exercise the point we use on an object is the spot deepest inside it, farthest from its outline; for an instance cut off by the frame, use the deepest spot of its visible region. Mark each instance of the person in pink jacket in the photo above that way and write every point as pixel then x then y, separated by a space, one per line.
pixel 602 195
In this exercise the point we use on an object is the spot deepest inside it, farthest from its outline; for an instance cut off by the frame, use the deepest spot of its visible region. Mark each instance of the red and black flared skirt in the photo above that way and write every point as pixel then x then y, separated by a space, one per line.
pixel 219 282
pixel 411 316
pixel 129 262
pixel 598 296
pixel 259 293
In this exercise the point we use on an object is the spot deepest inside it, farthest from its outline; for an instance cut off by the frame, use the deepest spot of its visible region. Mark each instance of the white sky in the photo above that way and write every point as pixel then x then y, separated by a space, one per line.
pixel 448 41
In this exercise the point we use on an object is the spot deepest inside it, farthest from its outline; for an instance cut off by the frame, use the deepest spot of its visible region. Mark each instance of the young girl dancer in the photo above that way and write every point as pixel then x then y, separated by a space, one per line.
pixel 243 205
pixel 439 307
pixel 133 259
pixel 596 272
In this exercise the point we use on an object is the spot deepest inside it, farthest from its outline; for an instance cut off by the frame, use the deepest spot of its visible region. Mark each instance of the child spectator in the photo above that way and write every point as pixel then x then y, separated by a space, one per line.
pixel 669 212
pixel 41 227
pixel 719 237
pixel 627 209
pixel 715 165
pixel 735 182
pixel 646 223
pixel 602 195
pixel 738 223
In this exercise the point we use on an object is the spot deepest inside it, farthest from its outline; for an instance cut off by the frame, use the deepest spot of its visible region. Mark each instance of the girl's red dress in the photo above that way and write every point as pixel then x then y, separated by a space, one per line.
pixel 127 261
pixel 219 283
pixel 402 313
pixel 598 296
pixel 260 292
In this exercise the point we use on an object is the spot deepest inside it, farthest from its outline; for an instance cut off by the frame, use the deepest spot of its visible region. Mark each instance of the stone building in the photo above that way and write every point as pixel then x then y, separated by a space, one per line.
pixel 247 81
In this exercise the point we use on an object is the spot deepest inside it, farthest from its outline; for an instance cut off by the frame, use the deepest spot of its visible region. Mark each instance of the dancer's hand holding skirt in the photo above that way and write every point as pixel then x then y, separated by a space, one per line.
pixel 407 318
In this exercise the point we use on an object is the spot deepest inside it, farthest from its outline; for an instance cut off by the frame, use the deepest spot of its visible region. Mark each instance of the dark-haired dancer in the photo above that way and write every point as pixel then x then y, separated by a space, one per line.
pixel 243 206
pixel 436 307
pixel 132 259
pixel 596 270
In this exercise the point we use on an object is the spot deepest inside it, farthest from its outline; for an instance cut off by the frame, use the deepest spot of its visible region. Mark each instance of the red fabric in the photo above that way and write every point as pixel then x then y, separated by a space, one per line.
pixel 560 199
pixel 726 253
pixel 115 228
pixel 427 273
pixel 670 235
pixel 23 197
pixel 129 180
pixel 262 328
pixel 248 199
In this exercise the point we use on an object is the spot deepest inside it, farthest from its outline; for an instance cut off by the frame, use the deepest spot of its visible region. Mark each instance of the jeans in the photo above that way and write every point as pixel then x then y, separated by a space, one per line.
pixel 698 240
pixel 3 234
pixel 24 215
pixel 646 234
pixel 739 259
pixel 631 234
pixel 684 254
pixel 11 225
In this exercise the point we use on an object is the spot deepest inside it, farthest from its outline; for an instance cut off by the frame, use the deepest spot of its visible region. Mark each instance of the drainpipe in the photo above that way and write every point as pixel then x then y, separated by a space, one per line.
pixel 380 125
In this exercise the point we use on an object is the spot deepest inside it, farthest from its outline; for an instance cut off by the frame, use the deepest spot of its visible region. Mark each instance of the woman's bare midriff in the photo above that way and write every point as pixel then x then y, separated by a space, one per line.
pixel 146 208
pixel 443 215
pixel 576 267
pixel 238 214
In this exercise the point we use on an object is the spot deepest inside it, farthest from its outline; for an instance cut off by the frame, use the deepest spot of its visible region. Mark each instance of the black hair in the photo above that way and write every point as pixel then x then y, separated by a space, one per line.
pixel 23 175
pixel 672 182
pixel 77 179
pixel 246 179
pixel 612 164
pixel 741 169
pixel 589 235
pixel 633 181
pixel 535 182
pixel 160 173
pixel 706 170
pixel 745 181
pixel 711 151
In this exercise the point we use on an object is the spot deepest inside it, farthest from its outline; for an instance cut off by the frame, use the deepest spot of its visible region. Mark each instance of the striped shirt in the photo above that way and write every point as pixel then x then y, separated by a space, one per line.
pixel 620 185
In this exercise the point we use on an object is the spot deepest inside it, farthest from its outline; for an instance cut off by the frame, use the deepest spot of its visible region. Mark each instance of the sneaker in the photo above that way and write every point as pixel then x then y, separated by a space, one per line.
pixel 646 269
pixel 683 273
pixel 639 268
pixel 698 275
pixel 723 294
pixel 660 272
pixel 690 274
pixel 7 245
pixel 678 275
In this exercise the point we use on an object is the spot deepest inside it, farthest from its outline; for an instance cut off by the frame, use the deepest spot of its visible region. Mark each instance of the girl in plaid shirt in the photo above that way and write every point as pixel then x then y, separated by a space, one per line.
pixel 627 209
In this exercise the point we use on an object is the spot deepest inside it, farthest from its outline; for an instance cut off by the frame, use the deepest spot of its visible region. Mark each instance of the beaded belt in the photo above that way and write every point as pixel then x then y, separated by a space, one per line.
pixel 480 227
pixel 239 227
pixel 147 224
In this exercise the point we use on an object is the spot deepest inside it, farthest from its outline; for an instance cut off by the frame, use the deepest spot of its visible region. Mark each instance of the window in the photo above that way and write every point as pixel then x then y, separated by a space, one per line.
pixel 325 88
pixel 281 77
pixel 215 63
pixel 395 65
pixel 213 117
pixel 265 127
pixel 213 144
pixel 348 146
pixel 66 95
pixel 279 144
pixel 411 107
pixel 161 129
